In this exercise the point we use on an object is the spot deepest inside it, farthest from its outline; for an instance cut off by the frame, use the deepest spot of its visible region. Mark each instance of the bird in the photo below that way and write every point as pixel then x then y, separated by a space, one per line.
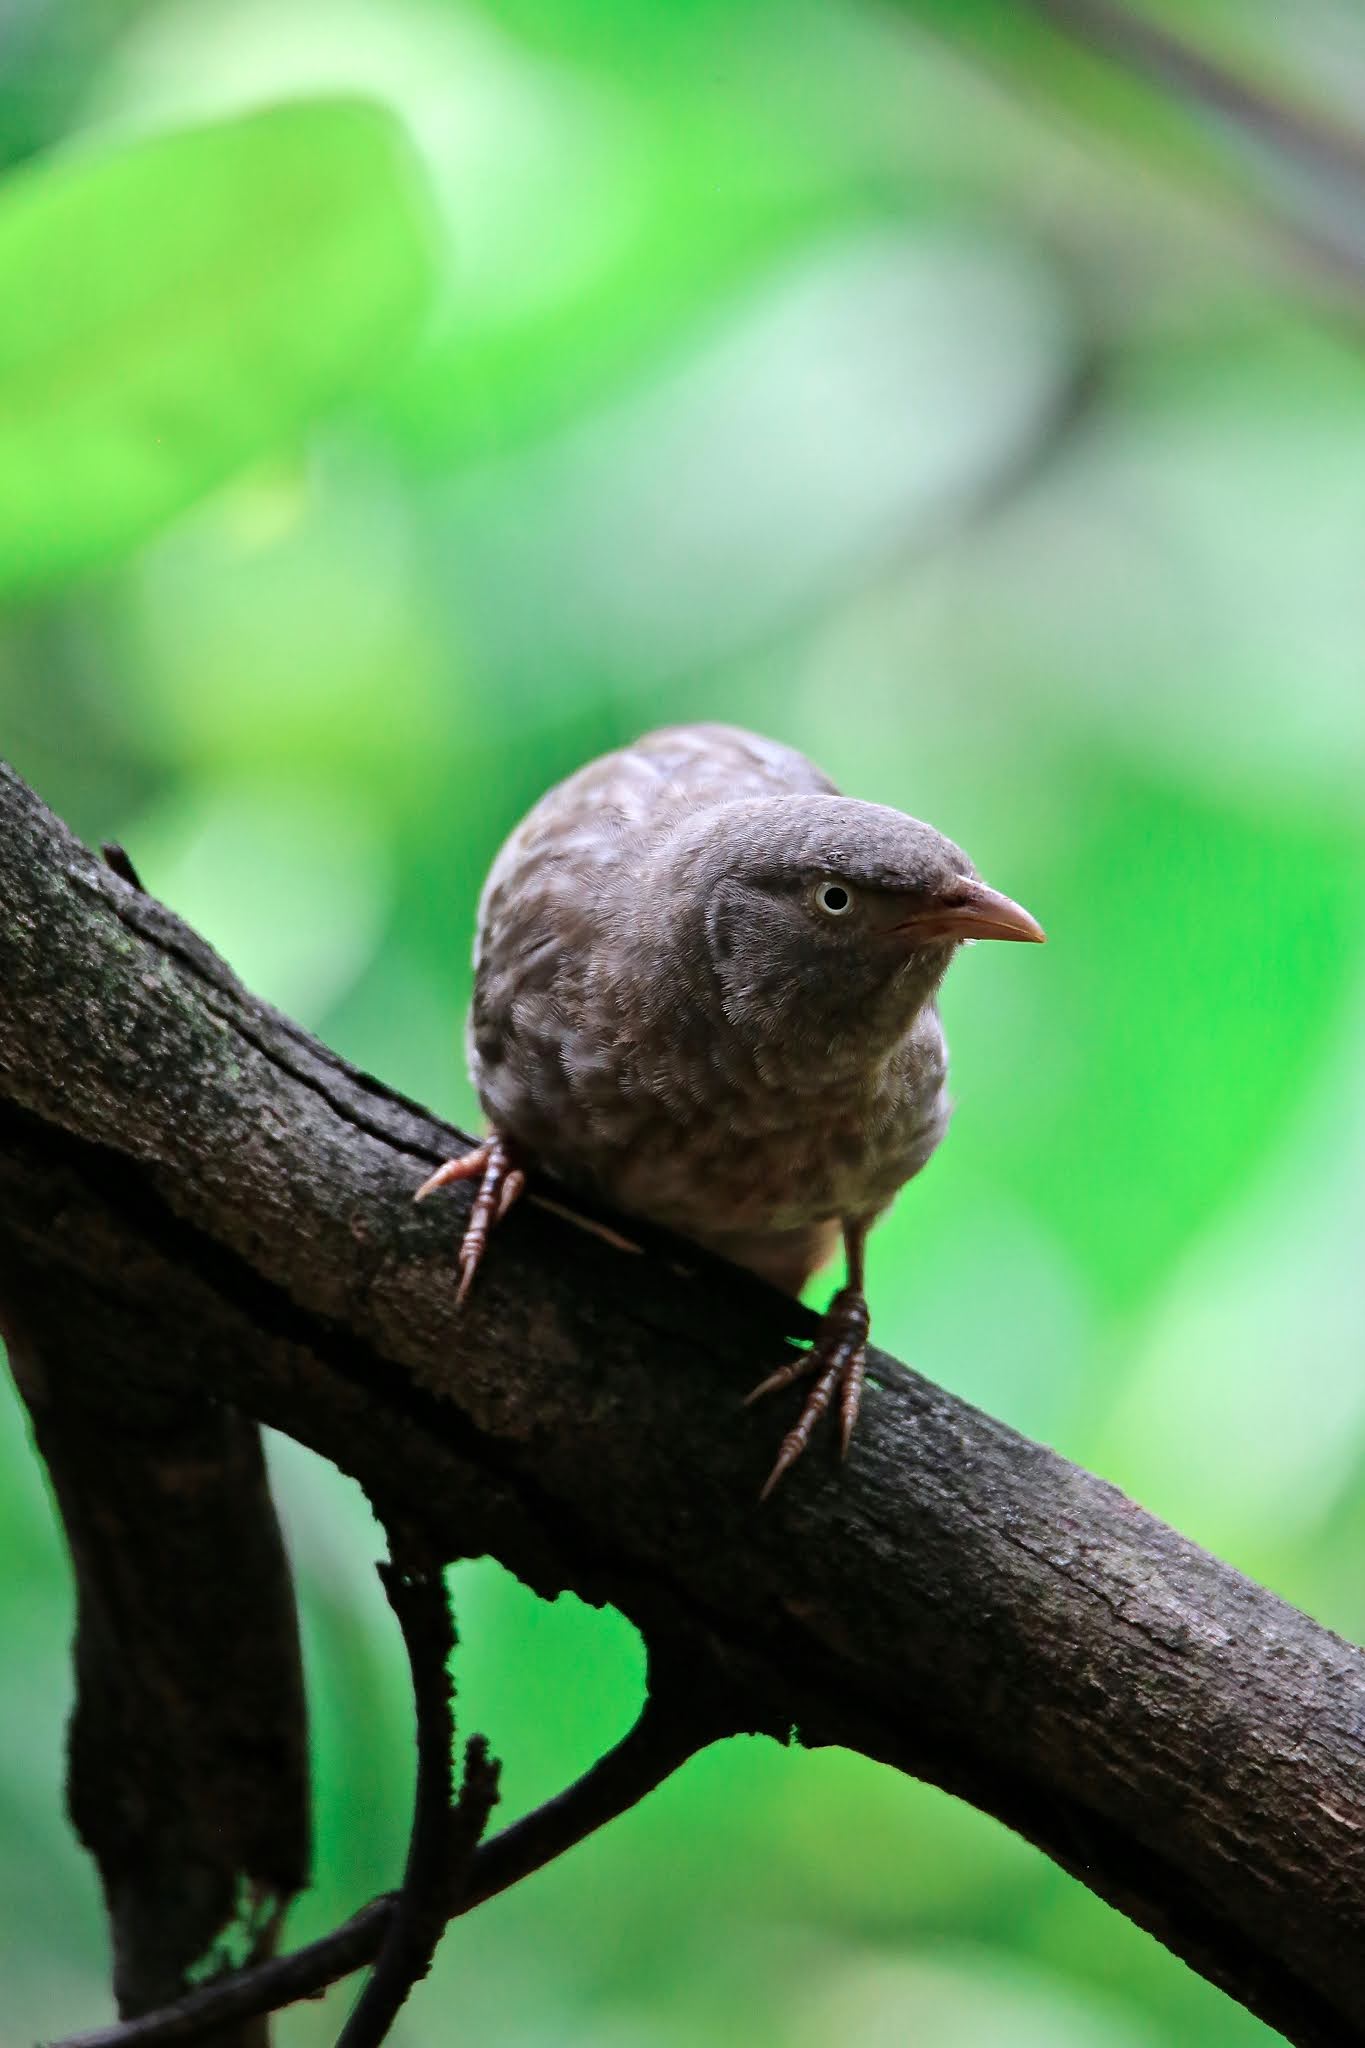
pixel 705 991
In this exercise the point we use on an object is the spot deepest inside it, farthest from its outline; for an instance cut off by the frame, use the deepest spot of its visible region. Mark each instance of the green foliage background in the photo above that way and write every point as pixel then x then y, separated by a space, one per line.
pixel 399 402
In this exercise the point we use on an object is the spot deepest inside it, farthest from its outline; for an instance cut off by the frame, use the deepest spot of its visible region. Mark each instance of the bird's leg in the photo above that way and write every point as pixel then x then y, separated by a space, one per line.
pixel 838 1356
pixel 501 1179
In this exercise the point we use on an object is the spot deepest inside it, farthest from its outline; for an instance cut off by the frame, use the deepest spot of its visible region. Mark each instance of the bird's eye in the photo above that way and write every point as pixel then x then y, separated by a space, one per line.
pixel 833 898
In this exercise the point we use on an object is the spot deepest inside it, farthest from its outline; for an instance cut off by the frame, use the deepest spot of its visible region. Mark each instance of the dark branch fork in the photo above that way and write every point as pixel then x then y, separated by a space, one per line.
pixel 198 1200
pixel 667 1733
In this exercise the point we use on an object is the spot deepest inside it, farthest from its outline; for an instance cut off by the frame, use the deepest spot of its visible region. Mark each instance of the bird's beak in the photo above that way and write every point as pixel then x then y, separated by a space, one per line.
pixel 973 912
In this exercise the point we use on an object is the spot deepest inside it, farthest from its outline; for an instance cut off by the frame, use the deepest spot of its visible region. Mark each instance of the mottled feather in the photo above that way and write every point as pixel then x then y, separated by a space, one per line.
pixel 603 1041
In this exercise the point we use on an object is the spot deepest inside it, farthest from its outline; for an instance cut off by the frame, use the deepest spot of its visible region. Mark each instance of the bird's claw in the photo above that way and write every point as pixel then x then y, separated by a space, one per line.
pixel 494 1165
pixel 839 1356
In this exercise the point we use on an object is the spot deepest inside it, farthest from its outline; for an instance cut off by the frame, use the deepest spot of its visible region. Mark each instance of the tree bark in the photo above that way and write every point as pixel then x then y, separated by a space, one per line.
pixel 188 1764
pixel 229 1205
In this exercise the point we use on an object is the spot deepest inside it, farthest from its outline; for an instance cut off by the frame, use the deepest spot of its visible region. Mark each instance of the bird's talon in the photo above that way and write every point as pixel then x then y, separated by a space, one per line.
pixel 783 1466
pixel 501 1180
pixel 792 1445
pixel 850 1396
pixel 839 1356
pixel 463 1167
pixel 785 1376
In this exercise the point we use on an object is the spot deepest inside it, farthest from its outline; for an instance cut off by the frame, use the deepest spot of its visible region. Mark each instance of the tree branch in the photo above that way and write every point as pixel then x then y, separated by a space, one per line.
pixel 444 1837
pixel 188 1751
pixel 188 1763
pixel 956 1601
pixel 1302 144
pixel 1156 53
pixel 668 1732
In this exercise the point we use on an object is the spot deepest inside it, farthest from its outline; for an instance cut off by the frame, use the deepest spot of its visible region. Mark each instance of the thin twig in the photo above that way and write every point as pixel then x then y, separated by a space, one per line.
pixel 116 858
pixel 668 1731
pixel 444 1836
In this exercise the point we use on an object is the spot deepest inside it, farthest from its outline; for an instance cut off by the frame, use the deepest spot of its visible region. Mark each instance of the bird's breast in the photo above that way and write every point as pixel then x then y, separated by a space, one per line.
pixel 704 1146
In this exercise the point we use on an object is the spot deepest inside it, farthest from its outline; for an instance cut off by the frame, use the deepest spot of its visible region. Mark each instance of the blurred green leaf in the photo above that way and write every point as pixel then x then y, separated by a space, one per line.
pixel 172 310
pixel 1201 956
pixel 216 852
pixel 964 1997
pixel 653 187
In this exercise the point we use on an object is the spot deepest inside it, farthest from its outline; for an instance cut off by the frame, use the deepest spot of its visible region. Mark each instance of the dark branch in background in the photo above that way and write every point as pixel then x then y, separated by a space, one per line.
pixel 1319 154
pixel 1166 59
pixel 668 1732
pixel 955 1601
pixel 444 1835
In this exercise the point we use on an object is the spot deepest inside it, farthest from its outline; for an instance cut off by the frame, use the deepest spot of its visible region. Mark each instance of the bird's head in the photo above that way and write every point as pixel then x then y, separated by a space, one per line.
pixel 830 920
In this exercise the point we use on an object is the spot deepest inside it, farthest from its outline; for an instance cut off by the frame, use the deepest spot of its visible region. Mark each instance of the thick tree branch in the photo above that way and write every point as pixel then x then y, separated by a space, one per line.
pixel 956 1601
pixel 188 1771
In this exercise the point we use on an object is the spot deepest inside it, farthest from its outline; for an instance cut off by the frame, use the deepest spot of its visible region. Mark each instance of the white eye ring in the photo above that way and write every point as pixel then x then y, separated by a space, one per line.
pixel 833 898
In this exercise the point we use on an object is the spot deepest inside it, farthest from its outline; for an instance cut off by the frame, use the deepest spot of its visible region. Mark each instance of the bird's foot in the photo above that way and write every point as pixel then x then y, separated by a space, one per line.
pixel 838 1356
pixel 494 1164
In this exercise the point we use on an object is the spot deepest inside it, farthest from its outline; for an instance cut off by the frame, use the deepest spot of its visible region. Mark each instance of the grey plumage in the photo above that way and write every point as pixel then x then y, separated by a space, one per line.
pixel 705 989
